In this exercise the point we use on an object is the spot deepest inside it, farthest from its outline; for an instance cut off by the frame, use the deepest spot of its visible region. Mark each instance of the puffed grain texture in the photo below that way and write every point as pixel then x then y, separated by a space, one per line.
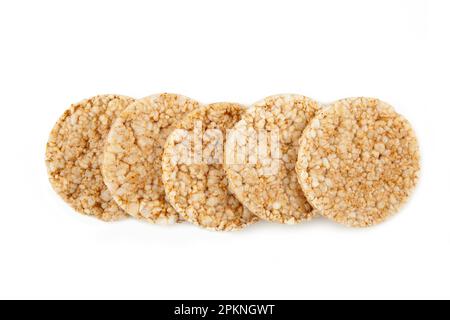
pixel 358 161
pixel 198 189
pixel 133 154
pixel 74 153
pixel 275 197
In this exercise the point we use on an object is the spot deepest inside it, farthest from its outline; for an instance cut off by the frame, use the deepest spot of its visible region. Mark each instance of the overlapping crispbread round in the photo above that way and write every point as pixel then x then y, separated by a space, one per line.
pixel 195 181
pixel 358 161
pixel 269 187
pixel 133 152
pixel 74 152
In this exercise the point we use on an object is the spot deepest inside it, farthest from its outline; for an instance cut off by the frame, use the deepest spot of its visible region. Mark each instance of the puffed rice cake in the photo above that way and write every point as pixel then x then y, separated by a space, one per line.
pixel 268 186
pixel 132 161
pixel 193 174
pixel 74 152
pixel 358 161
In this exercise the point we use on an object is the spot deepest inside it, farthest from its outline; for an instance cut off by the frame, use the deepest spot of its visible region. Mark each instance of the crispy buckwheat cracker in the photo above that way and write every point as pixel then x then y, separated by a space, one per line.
pixel 74 152
pixel 265 180
pixel 193 174
pixel 133 153
pixel 358 161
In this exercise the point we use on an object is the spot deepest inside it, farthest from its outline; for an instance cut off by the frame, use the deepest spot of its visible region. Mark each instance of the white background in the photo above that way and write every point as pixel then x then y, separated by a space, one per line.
pixel 54 53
